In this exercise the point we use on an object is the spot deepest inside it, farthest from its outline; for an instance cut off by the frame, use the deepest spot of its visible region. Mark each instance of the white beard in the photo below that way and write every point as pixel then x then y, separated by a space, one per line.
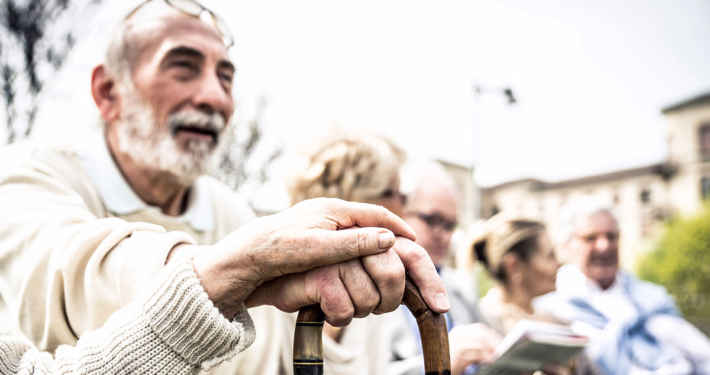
pixel 152 146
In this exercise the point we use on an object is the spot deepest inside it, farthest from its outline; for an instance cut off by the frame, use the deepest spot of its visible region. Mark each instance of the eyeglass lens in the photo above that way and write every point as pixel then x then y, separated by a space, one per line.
pixel 187 6
pixel 436 221
pixel 194 9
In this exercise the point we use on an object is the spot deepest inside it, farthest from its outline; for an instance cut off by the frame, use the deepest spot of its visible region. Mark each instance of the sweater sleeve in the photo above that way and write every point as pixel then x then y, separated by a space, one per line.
pixel 172 329
pixel 65 266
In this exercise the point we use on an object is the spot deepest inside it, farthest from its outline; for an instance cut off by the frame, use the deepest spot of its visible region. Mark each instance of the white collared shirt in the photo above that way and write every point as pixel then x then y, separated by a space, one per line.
pixel 613 302
pixel 119 198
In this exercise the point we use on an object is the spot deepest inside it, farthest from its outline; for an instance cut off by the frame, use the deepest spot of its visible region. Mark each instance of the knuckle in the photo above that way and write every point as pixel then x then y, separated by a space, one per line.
pixel 314 205
pixel 327 204
pixel 371 298
pixel 387 269
pixel 342 315
pixel 381 213
pixel 332 205
pixel 418 255
pixel 361 243
pixel 366 308
pixel 393 275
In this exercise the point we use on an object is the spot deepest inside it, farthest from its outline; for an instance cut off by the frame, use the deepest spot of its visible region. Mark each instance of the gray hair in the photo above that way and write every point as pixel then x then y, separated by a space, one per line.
pixel 415 174
pixel 122 52
pixel 127 41
pixel 579 208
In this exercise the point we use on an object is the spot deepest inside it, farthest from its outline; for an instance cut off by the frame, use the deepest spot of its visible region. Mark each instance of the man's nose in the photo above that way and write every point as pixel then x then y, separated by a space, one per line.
pixel 211 96
pixel 602 243
pixel 441 234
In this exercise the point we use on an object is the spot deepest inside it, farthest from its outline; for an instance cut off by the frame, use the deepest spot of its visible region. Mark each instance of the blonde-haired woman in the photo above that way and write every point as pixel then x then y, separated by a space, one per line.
pixel 360 167
pixel 519 255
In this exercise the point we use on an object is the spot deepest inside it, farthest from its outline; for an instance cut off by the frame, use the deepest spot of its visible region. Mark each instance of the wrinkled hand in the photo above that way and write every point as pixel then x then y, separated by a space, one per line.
pixel 551 369
pixel 554 369
pixel 340 254
pixel 357 287
pixel 472 344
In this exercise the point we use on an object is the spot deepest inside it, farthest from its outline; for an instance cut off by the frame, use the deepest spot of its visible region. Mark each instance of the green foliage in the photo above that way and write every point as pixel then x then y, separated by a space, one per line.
pixel 681 262
pixel 484 280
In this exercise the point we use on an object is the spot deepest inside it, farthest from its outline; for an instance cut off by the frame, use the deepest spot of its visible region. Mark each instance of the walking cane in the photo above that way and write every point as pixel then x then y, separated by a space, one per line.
pixel 308 338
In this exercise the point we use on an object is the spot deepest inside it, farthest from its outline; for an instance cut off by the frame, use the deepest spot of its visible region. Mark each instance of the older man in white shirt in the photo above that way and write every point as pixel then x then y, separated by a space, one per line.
pixel 634 326
pixel 85 230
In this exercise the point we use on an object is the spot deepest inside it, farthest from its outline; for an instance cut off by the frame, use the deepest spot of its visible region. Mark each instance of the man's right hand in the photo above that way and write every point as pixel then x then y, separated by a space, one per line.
pixel 340 254
pixel 472 344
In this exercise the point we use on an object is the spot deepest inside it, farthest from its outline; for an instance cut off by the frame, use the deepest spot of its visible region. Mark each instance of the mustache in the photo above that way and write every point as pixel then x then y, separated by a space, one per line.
pixel 608 257
pixel 211 123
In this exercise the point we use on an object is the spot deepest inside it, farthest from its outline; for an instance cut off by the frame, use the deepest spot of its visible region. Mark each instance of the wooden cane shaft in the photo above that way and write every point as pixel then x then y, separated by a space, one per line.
pixel 432 330
pixel 308 338
pixel 308 342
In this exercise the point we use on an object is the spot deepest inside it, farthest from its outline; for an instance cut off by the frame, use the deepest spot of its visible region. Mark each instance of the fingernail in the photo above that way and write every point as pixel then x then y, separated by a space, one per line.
pixel 385 240
pixel 442 301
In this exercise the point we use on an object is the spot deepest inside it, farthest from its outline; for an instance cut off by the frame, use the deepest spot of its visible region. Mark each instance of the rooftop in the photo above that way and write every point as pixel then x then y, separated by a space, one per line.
pixel 697 100
pixel 663 169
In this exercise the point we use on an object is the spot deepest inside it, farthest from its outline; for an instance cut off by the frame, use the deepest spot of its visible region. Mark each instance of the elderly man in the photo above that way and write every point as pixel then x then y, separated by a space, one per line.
pixel 634 326
pixel 432 211
pixel 82 233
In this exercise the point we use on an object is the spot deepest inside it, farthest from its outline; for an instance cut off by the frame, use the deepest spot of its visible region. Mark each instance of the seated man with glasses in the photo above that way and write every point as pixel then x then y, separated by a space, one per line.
pixel 85 231
pixel 432 211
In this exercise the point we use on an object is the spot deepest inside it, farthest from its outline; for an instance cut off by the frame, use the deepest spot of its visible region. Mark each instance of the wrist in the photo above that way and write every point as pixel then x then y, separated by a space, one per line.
pixel 226 287
pixel 181 250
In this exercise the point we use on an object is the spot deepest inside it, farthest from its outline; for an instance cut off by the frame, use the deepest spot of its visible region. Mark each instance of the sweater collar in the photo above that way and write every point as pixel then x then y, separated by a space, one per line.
pixel 120 199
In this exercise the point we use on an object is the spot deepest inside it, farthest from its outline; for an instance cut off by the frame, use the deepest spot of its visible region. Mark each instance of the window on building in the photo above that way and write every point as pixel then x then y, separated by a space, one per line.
pixel 615 196
pixel 705 187
pixel 645 196
pixel 705 142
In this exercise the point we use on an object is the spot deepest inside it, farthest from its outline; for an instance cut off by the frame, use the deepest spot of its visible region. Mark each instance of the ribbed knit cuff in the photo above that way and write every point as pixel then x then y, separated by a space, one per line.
pixel 202 335
pixel 12 349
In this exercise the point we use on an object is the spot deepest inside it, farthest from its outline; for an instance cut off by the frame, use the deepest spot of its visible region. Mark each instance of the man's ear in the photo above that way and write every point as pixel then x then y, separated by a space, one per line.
pixel 105 94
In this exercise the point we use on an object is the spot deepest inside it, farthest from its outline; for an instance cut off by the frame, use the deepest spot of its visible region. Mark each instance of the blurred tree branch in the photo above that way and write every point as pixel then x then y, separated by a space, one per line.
pixel 30 27
pixel 244 150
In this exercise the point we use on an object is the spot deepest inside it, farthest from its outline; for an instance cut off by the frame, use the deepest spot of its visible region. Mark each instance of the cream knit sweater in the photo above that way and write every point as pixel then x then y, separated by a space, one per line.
pixel 68 261
pixel 172 329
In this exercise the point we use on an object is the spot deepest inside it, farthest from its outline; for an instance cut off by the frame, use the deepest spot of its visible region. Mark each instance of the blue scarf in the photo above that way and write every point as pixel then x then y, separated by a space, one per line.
pixel 623 343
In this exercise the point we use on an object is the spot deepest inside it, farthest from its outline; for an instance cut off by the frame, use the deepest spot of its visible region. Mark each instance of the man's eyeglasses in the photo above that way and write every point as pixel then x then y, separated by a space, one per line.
pixel 392 193
pixel 436 221
pixel 195 9
pixel 592 238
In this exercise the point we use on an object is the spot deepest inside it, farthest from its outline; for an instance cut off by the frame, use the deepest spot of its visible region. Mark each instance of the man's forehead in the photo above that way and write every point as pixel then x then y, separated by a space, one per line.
pixel 434 192
pixel 164 29
pixel 423 203
pixel 598 221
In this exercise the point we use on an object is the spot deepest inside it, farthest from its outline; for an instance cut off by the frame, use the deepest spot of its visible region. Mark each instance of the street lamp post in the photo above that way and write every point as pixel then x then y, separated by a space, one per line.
pixel 478 91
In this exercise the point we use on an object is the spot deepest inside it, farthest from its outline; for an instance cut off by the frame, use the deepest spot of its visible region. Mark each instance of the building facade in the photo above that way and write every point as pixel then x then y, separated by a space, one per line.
pixel 642 197
pixel 639 196
pixel 689 150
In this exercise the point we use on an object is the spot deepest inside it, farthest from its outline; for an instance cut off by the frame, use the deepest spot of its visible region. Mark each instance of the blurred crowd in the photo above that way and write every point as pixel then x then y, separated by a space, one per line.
pixel 124 256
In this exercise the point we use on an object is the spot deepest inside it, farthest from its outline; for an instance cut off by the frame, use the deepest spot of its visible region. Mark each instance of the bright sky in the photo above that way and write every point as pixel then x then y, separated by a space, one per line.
pixel 590 76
